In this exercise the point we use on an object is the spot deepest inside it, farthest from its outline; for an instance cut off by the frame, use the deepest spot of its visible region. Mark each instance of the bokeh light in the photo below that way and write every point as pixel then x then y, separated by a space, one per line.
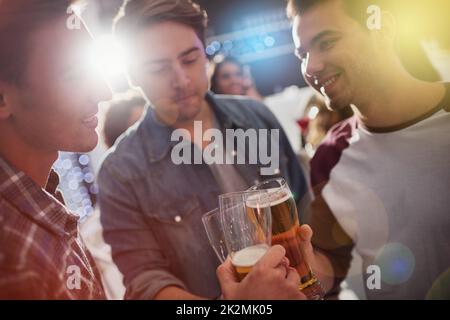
pixel 396 262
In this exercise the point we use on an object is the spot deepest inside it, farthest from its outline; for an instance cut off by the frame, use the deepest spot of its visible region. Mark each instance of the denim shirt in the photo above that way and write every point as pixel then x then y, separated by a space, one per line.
pixel 151 208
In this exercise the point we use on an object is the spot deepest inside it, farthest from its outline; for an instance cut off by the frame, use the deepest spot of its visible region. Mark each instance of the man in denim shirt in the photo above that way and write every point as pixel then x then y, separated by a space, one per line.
pixel 151 207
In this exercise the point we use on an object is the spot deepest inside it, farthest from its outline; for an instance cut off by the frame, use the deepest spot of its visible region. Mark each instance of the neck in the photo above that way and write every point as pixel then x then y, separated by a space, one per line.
pixel 205 116
pixel 399 99
pixel 35 163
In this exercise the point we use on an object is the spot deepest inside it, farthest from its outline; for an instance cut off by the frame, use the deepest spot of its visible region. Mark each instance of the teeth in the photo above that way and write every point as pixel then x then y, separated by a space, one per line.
pixel 329 82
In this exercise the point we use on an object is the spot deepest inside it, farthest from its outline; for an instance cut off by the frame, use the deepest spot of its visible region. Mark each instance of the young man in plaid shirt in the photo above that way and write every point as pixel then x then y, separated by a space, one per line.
pixel 48 102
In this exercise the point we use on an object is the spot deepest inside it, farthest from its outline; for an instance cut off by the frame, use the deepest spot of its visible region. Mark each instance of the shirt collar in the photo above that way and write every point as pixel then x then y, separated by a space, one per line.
pixel 34 202
pixel 158 135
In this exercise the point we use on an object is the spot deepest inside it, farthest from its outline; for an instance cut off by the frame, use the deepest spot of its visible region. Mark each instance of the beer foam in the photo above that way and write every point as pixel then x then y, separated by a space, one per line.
pixel 249 256
pixel 271 198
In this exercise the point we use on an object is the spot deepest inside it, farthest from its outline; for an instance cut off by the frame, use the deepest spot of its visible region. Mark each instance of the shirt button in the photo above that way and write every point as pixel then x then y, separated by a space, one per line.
pixel 178 219
pixel 234 153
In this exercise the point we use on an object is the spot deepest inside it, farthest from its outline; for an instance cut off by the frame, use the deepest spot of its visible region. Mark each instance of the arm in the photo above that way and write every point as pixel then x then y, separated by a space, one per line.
pixel 135 249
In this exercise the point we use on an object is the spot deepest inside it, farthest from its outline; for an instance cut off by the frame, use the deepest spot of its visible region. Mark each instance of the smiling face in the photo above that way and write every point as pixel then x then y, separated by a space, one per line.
pixel 230 79
pixel 339 58
pixel 55 106
pixel 170 66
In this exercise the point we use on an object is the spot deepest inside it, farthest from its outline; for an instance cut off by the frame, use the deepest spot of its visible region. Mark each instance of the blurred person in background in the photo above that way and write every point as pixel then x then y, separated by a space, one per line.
pixel 233 78
pixel 317 120
pixel 122 112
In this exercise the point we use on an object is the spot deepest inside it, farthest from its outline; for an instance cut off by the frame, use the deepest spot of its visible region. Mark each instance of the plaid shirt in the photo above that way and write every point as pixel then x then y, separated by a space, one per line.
pixel 41 253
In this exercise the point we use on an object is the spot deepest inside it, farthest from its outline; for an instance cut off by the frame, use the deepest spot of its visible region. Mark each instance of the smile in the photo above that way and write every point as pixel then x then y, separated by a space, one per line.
pixel 91 122
pixel 330 81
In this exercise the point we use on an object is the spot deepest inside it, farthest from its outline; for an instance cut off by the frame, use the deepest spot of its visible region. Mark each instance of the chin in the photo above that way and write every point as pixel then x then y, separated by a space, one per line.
pixel 189 113
pixel 87 144
pixel 336 104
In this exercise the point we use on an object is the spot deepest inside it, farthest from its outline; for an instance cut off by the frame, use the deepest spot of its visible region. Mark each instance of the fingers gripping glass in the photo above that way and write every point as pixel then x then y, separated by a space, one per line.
pixel 278 200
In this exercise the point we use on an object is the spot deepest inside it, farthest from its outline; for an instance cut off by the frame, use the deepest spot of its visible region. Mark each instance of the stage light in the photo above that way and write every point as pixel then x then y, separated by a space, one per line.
pixel 269 41
pixel 108 57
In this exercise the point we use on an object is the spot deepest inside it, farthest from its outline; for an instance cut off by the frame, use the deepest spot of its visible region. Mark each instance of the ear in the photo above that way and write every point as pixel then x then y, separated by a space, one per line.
pixel 388 30
pixel 5 107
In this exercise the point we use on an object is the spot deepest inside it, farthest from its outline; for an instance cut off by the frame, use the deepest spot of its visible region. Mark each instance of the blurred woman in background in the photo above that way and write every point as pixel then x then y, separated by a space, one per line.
pixel 231 77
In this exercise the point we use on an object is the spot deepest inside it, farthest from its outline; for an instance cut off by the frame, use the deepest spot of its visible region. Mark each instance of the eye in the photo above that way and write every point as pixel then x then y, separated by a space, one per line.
pixel 327 44
pixel 156 68
pixel 225 76
pixel 190 58
pixel 189 61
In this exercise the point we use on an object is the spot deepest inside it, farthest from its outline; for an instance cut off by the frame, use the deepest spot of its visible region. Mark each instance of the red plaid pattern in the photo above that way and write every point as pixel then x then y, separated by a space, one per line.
pixel 41 253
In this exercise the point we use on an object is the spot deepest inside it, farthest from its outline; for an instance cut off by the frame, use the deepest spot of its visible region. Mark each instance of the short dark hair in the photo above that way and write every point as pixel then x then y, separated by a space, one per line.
pixel 137 14
pixel 357 9
pixel 409 49
pixel 18 20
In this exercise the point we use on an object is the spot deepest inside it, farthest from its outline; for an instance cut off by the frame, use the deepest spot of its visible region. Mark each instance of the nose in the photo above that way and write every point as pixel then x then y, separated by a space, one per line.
pixel 180 77
pixel 313 65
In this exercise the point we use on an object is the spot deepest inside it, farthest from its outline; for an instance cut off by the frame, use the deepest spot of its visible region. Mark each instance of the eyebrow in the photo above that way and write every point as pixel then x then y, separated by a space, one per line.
pixel 181 55
pixel 188 51
pixel 317 38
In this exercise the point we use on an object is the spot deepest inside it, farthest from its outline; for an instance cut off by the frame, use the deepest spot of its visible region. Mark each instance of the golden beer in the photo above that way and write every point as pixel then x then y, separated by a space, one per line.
pixel 285 227
pixel 244 260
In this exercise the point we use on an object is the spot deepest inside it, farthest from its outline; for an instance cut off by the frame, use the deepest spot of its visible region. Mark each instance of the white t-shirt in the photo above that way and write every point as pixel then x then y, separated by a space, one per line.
pixel 390 192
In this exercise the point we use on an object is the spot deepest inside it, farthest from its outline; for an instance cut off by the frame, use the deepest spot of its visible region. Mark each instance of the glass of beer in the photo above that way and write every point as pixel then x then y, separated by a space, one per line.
pixel 247 232
pixel 213 226
pixel 285 226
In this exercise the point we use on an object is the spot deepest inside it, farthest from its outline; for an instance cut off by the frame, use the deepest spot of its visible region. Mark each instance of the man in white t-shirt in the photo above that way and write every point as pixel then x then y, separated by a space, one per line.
pixel 386 188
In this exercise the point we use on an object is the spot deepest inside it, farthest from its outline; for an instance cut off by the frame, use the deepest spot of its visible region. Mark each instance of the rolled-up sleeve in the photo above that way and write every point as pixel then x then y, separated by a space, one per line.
pixel 135 248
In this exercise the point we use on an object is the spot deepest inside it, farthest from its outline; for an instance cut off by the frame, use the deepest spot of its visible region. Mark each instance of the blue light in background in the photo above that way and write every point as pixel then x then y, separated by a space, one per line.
pixel 227 45
pixel 269 41
pixel 210 50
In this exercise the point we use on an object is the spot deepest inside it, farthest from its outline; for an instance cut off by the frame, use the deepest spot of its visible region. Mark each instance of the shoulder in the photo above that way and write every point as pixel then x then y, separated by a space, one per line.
pixel 245 108
pixel 127 157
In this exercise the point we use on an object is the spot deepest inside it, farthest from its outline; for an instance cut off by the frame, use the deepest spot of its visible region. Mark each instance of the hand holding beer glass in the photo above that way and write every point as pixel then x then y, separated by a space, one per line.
pixel 279 201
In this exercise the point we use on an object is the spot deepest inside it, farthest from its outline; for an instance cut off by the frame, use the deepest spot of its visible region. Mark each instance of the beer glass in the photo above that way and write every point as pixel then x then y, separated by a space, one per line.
pixel 247 232
pixel 213 227
pixel 285 226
